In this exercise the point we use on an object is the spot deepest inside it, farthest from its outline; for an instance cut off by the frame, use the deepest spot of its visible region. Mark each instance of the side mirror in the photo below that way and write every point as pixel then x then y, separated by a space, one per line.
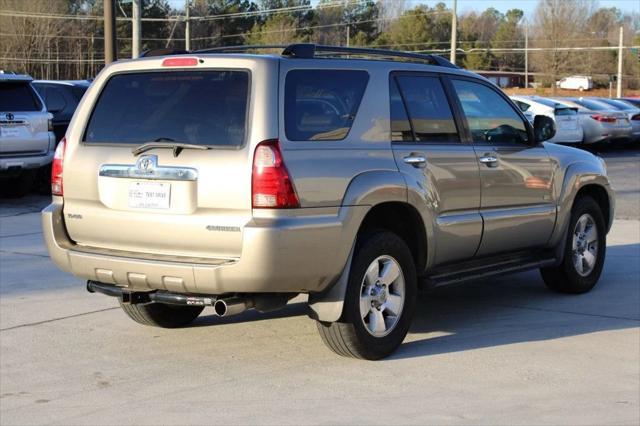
pixel 544 128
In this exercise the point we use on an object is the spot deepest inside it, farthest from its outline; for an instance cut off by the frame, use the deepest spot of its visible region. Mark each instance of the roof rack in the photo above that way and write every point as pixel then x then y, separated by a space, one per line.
pixel 310 51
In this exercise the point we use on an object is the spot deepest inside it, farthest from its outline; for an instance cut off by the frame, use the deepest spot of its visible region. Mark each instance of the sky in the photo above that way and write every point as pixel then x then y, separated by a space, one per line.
pixel 528 6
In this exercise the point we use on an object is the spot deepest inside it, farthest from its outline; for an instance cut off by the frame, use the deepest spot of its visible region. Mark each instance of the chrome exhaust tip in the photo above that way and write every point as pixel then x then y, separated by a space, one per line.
pixel 232 306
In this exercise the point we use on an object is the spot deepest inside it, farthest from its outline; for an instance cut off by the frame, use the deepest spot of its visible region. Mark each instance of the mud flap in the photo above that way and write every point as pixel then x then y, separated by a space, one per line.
pixel 327 306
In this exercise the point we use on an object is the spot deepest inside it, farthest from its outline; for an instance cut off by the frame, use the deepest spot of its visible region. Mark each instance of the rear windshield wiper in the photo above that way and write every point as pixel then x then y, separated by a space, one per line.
pixel 167 143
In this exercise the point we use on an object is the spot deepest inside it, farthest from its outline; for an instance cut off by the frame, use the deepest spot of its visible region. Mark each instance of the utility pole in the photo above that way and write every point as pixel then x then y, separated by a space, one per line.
pixel 454 31
pixel 110 49
pixel 348 35
pixel 620 51
pixel 136 27
pixel 187 29
pixel 526 55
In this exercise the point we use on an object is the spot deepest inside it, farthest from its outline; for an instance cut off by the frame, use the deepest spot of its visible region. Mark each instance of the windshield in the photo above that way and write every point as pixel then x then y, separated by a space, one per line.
pixel 593 105
pixel 194 107
pixel 622 106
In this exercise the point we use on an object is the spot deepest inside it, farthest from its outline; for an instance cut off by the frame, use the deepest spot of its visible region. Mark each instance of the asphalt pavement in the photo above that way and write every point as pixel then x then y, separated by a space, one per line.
pixel 498 351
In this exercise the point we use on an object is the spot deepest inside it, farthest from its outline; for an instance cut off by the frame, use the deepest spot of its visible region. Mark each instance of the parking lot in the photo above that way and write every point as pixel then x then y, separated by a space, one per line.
pixel 499 351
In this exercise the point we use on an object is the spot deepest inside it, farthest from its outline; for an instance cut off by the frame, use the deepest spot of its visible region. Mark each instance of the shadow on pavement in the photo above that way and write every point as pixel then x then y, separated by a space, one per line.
pixel 505 310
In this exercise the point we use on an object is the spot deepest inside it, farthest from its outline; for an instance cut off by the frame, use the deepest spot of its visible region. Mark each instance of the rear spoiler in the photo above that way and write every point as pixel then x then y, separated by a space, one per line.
pixel 560 107
pixel 22 78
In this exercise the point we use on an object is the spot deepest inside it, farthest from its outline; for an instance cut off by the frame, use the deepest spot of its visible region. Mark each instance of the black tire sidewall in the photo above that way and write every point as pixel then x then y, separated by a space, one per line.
pixel 372 246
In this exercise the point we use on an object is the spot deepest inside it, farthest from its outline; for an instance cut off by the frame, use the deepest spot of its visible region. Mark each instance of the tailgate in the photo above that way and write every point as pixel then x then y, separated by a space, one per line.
pixel 193 204
pixel 24 127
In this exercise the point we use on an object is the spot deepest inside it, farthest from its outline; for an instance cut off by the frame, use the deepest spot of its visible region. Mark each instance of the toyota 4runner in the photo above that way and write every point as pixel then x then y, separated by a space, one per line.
pixel 237 181
pixel 27 141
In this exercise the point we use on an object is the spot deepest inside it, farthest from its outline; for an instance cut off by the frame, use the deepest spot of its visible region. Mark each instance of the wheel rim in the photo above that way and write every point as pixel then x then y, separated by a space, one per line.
pixel 585 245
pixel 382 295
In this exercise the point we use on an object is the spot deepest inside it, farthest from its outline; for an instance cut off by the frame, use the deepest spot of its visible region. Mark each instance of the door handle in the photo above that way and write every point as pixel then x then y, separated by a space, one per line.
pixel 490 160
pixel 417 161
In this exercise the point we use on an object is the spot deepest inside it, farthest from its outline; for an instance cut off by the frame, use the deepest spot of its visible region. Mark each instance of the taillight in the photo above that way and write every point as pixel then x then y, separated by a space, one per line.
pixel 180 62
pixel 271 185
pixel 56 168
pixel 50 124
pixel 636 117
pixel 604 118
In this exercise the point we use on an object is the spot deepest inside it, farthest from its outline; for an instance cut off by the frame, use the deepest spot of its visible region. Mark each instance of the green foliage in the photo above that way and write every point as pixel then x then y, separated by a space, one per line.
pixel 420 28
pixel 75 47
pixel 277 29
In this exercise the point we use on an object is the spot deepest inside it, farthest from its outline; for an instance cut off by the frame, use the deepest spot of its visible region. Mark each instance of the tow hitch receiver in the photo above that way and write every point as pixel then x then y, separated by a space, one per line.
pixel 135 297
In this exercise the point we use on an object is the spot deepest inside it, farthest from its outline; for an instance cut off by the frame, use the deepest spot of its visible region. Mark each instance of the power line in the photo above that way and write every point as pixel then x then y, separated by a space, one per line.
pixel 301 8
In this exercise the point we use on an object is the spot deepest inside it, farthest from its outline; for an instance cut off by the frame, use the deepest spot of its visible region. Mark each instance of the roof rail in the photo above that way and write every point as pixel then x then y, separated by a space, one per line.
pixel 310 51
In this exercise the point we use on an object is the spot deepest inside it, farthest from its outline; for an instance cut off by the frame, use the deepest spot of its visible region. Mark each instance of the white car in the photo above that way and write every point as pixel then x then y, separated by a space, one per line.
pixel 568 128
pixel 575 82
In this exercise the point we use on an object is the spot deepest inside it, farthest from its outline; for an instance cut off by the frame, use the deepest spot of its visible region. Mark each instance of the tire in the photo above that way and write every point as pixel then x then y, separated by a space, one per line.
pixel 381 297
pixel 566 277
pixel 161 314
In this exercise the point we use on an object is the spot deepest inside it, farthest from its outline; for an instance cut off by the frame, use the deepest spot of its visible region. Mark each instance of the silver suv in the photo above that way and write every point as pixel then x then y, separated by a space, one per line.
pixel 27 141
pixel 353 176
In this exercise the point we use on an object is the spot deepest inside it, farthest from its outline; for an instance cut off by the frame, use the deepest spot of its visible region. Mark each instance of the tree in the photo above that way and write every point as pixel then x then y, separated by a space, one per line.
pixel 278 29
pixel 559 24
pixel 223 31
pixel 29 45
pixel 509 35
pixel 421 28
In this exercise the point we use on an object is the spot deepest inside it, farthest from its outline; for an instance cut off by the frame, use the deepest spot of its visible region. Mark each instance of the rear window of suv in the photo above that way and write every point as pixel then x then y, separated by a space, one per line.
pixel 18 96
pixel 322 104
pixel 195 107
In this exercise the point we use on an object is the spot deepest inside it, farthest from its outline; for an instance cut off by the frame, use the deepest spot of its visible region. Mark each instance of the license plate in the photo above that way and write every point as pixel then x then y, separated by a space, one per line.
pixel 9 132
pixel 567 124
pixel 622 122
pixel 149 195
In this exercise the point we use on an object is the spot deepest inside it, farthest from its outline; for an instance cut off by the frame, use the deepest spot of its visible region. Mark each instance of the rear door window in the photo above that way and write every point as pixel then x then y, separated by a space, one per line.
pixel 18 96
pixel 400 126
pixel 490 117
pixel 55 99
pixel 195 107
pixel 322 104
pixel 428 108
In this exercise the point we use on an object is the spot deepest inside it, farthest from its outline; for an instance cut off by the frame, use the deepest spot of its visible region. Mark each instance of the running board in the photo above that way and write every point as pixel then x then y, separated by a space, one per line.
pixel 487 267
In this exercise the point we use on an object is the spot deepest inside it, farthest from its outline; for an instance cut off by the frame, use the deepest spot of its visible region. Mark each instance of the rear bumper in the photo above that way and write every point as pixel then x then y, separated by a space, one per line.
pixel 280 255
pixel 10 164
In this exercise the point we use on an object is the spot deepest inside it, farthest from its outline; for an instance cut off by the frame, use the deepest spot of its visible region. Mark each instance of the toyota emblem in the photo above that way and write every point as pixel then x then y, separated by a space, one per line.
pixel 147 163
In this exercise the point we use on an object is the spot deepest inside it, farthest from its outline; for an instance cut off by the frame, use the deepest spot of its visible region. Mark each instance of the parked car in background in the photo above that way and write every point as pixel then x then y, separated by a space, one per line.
pixel 61 98
pixel 575 82
pixel 238 181
pixel 633 101
pixel 600 124
pixel 568 128
pixel 633 112
pixel 27 141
